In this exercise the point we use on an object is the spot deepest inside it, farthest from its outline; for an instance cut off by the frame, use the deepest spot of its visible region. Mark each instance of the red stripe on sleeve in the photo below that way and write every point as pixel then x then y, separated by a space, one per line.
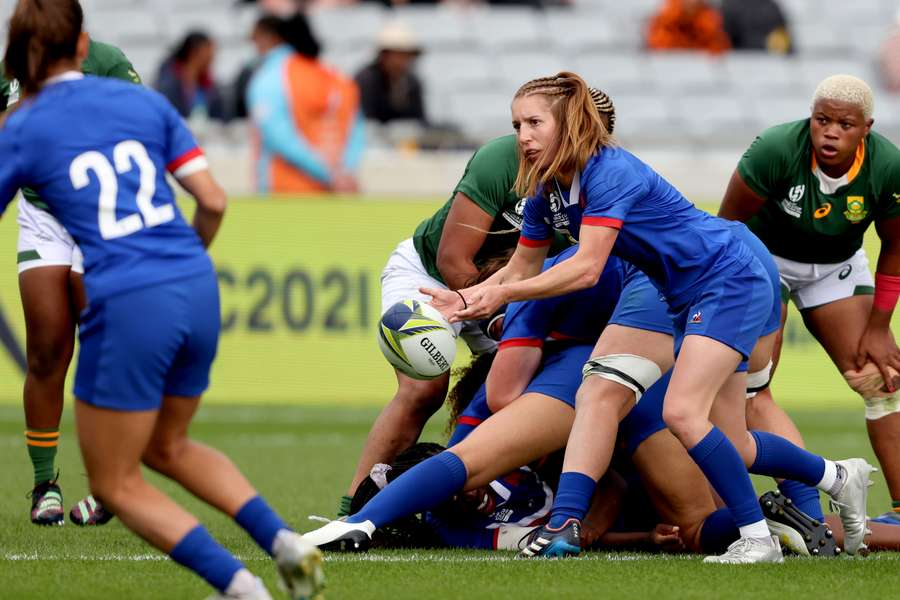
pixel 469 421
pixel 189 155
pixel 529 243
pixel 520 342
pixel 602 222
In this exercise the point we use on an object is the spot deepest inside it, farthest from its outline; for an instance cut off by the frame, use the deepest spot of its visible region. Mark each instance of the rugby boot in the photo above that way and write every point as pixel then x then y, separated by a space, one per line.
pixel 258 593
pixel 299 564
pixel 797 531
pixel 554 543
pixel 90 512
pixel 47 504
pixel 340 536
pixel 850 503
pixel 748 551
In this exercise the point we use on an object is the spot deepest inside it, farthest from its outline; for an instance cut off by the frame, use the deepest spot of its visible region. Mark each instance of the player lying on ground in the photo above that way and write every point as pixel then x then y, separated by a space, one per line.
pixel 138 380
pixel 810 189
pixel 537 423
pixel 718 290
pixel 479 222
pixel 52 291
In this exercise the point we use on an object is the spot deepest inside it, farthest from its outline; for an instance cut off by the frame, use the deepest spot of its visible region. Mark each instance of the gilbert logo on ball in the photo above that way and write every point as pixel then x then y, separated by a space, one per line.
pixel 416 339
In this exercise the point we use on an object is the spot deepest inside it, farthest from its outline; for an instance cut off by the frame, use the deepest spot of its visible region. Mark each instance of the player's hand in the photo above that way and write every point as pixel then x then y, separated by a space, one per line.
pixel 481 302
pixel 877 345
pixel 667 538
pixel 447 302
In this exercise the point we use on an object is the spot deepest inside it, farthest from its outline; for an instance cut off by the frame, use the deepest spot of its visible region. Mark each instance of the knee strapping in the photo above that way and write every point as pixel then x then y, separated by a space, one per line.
pixel 759 380
pixel 868 383
pixel 634 372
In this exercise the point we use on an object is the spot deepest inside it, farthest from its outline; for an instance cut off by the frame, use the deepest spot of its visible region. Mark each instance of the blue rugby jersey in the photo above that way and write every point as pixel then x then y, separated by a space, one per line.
pixel 579 316
pixel 97 150
pixel 663 234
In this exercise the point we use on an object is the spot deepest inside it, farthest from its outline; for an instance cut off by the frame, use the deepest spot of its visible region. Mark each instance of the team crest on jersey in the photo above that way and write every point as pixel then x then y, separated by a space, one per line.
pixel 555 202
pixel 697 317
pixel 856 209
pixel 13 93
pixel 791 205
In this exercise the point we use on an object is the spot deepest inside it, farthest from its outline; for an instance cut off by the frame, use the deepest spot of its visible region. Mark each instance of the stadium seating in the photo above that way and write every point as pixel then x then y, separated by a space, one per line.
pixel 475 57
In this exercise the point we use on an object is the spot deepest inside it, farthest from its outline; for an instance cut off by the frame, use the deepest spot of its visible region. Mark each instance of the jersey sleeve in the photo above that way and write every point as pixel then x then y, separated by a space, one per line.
pixel 889 195
pixel 536 231
pixel 116 65
pixel 10 168
pixel 183 154
pixel 487 179
pixel 764 164
pixel 524 325
pixel 610 193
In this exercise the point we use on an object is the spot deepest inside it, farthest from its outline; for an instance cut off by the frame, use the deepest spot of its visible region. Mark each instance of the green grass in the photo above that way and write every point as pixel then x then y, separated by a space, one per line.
pixel 301 459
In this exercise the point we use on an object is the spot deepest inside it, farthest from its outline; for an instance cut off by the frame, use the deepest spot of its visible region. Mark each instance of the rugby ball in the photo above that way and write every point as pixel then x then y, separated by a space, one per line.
pixel 416 339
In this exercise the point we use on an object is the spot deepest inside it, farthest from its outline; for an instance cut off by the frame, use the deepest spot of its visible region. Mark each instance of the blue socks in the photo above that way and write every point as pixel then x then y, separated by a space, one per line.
pixel 718 532
pixel 720 462
pixel 200 553
pixel 804 497
pixel 424 486
pixel 573 498
pixel 777 457
pixel 260 521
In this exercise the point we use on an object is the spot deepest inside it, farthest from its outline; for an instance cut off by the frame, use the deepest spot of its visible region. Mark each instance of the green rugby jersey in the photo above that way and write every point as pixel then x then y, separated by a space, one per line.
pixel 807 216
pixel 102 60
pixel 487 181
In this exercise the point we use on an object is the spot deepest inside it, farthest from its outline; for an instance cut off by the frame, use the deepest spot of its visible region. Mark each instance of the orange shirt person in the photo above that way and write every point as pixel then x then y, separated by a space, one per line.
pixel 687 25
pixel 309 131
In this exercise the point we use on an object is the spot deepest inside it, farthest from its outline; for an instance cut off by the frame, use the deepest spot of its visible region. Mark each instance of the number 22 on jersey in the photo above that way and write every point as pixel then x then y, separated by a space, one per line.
pixel 124 155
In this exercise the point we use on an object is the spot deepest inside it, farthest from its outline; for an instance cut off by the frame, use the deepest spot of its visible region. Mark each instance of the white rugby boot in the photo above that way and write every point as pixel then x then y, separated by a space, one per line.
pixel 748 551
pixel 244 586
pixel 340 536
pixel 299 564
pixel 849 503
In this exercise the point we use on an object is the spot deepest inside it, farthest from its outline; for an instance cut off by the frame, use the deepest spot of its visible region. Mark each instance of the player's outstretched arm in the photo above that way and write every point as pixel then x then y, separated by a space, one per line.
pixel 740 202
pixel 465 230
pixel 512 370
pixel 877 343
pixel 211 202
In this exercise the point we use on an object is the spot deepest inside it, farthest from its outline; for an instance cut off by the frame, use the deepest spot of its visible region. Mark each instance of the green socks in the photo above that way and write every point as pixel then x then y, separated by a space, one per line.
pixel 42 445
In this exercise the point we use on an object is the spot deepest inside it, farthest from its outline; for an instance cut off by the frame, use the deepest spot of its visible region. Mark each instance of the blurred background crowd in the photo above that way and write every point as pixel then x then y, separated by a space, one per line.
pixel 389 97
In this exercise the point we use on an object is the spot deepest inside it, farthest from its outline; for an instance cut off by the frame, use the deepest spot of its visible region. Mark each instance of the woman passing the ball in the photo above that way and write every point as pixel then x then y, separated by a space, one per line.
pixel 480 222
pixel 719 292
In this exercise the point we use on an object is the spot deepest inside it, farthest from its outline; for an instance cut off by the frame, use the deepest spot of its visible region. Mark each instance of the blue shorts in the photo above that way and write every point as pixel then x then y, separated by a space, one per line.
pixel 640 305
pixel 765 258
pixel 733 309
pixel 559 376
pixel 645 418
pixel 560 373
pixel 141 345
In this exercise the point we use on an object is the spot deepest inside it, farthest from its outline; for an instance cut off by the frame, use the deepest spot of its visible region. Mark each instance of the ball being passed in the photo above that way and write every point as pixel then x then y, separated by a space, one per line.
pixel 416 339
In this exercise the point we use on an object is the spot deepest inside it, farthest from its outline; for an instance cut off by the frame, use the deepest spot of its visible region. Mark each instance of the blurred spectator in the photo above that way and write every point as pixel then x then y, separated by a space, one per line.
pixel 687 25
pixel 185 78
pixel 309 129
pixel 758 25
pixel 388 87
pixel 889 57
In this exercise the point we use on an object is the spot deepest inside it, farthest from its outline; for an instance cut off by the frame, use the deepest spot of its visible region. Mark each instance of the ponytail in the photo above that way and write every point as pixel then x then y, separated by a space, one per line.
pixel 41 33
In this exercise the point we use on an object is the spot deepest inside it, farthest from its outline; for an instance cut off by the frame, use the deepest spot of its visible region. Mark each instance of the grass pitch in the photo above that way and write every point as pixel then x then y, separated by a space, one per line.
pixel 301 459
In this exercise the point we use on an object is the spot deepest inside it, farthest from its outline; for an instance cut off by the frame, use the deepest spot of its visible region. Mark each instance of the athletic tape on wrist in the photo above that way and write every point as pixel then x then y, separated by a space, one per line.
pixel 887 291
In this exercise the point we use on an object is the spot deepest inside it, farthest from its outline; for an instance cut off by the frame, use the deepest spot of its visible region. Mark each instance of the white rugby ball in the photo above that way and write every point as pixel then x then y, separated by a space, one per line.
pixel 417 339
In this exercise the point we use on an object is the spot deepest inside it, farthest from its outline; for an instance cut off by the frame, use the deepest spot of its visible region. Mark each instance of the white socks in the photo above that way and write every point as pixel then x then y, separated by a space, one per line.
pixel 757 530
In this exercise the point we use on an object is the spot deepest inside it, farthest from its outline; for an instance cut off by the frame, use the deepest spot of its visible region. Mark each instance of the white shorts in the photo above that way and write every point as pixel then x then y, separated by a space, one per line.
pixel 811 284
pixel 43 241
pixel 401 279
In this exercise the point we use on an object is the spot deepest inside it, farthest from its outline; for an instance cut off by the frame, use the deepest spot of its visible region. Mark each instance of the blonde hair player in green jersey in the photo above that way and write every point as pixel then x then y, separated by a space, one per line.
pixel 50 269
pixel 481 220
pixel 810 189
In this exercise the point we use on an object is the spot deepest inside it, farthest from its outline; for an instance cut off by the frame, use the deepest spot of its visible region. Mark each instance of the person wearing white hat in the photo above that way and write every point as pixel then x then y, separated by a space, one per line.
pixel 389 88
